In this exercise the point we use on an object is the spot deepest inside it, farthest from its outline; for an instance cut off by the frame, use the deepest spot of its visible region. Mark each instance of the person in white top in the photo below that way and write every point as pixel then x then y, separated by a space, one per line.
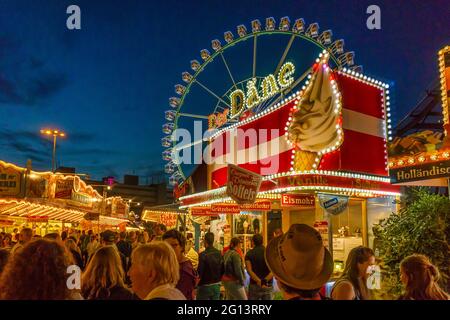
pixel 154 272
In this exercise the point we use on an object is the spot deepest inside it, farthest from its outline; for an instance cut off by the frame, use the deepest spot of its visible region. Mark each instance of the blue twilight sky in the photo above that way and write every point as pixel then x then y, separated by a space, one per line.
pixel 107 85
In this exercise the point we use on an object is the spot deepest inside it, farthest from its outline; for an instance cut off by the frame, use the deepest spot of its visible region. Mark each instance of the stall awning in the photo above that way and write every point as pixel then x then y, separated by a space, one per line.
pixel 26 209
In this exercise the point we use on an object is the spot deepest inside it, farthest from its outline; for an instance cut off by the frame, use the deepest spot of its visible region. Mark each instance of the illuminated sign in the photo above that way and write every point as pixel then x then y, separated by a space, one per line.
pixel 9 181
pixel 243 185
pixel 297 200
pixel 241 101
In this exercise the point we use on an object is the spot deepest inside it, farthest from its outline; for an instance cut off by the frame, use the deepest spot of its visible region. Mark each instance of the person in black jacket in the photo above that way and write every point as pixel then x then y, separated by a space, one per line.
pixel 103 278
pixel 210 270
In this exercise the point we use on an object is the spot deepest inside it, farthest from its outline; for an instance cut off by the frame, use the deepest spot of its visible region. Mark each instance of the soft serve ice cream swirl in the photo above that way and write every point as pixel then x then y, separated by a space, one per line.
pixel 313 126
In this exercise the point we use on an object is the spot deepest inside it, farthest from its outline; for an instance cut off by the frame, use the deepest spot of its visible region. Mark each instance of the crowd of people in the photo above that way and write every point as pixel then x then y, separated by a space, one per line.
pixel 166 266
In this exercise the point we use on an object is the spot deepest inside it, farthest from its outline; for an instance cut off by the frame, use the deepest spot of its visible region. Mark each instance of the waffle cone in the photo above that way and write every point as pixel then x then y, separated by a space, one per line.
pixel 304 160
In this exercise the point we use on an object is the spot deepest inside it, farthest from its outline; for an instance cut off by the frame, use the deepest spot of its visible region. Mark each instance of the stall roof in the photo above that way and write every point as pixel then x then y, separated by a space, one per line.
pixel 26 209
pixel 171 208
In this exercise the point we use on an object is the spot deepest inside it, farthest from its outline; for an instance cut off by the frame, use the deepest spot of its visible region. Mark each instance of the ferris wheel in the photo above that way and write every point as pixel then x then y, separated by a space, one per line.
pixel 288 36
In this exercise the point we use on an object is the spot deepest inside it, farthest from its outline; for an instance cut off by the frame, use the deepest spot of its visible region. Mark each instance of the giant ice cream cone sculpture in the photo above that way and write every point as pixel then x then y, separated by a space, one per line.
pixel 315 127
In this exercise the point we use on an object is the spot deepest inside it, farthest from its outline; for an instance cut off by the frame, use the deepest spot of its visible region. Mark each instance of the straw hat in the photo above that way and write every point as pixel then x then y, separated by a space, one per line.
pixel 299 259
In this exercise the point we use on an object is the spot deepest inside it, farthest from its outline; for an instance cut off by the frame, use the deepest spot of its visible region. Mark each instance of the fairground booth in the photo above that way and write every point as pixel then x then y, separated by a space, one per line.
pixel 302 141
pixel 52 202
pixel 420 153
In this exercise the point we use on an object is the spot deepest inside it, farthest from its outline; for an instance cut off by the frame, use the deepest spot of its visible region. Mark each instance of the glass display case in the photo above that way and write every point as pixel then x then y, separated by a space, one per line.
pixel 245 225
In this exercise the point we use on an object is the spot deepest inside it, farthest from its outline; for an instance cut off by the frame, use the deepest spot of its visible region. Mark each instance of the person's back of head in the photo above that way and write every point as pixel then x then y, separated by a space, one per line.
pixel 157 257
pixel 108 237
pixel 64 235
pixel 26 235
pixel 421 278
pixel 104 271
pixel 234 243
pixel 257 240
pixel 209 239
pixel 37 272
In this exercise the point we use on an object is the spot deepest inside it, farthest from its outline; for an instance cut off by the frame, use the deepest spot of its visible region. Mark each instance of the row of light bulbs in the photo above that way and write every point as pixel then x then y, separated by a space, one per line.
pixel 330 188
pixel 328 173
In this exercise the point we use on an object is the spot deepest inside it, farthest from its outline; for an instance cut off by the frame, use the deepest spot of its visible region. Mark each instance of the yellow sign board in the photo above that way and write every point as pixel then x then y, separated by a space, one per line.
pixel 10 179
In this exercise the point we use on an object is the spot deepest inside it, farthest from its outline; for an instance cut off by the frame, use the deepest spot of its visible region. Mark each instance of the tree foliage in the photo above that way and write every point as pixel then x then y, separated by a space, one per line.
pixel 421 226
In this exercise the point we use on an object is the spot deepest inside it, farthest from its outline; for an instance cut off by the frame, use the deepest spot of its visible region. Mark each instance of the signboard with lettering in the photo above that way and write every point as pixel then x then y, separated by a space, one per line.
pixel 63 189
pixel 79 199
pixel 168 219
pixel 10 179
pixel 297 200
pixel 332 203
pixel 233 208
pixel 243 185
pixel 202 211
pixel 420 172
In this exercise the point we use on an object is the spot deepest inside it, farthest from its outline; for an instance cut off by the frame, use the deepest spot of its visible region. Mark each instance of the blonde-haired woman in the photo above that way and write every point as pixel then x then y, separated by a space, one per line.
pixel 420 278
pixel 154 272
pixel 103 278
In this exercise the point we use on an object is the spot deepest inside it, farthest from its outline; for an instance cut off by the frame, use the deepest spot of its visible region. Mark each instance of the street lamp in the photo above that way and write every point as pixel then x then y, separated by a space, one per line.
pixel 55 133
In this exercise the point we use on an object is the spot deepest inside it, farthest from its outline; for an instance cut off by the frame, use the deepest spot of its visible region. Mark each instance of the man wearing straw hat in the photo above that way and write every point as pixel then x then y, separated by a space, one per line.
pixel 299 262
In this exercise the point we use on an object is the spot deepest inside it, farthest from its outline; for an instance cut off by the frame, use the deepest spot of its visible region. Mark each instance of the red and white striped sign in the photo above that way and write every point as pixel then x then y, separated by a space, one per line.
pixel 363 149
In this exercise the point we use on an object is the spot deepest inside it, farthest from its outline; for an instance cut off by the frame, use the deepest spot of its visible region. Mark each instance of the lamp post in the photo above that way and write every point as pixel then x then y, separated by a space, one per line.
pixel 55 133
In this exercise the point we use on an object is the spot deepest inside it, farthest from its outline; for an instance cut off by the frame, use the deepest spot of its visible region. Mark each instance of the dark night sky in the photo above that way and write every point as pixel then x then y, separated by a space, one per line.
pixel 108 84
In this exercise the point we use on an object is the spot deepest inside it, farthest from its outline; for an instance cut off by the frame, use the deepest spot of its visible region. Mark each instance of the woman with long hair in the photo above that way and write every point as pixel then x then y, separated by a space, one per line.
pixel 420 278
pixel 38 272
pixel 103 278
pixel 352 284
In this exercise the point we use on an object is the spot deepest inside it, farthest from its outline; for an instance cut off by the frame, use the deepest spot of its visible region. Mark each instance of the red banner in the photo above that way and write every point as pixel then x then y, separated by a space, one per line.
pixel 233 208
pixel 37 219
pixel 328 181
pixel 202 211
pixel 297 200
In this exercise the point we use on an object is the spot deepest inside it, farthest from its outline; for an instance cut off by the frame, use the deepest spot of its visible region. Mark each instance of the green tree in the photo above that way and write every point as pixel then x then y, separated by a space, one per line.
pixel 421 226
